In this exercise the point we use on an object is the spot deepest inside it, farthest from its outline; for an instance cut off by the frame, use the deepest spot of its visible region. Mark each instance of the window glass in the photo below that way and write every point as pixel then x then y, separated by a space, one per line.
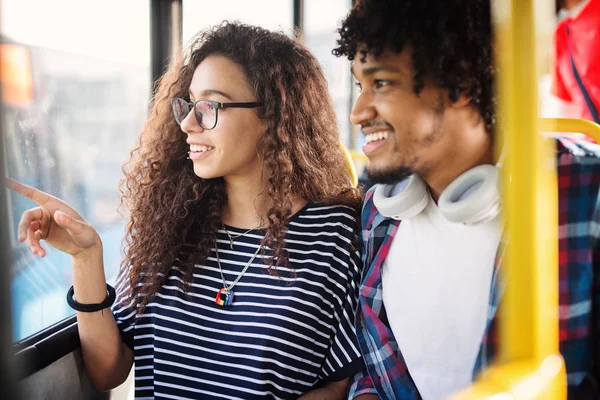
pixel 76 84
pixel 321 20
pixel 269 14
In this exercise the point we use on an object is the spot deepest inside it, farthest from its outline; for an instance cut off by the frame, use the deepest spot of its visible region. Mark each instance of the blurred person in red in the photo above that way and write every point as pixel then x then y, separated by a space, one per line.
pixel 575 59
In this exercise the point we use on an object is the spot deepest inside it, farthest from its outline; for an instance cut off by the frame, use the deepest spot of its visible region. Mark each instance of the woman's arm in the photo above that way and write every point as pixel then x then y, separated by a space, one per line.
pixel 107 359
pixel 105 355
pixel 331 391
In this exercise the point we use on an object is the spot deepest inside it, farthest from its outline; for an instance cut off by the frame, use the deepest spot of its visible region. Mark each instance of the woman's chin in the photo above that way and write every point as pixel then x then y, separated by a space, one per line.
pixel 203 173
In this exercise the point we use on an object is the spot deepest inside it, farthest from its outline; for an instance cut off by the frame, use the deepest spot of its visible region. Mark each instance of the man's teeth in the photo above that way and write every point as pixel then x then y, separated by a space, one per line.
pixel 199 148
pixel 371 137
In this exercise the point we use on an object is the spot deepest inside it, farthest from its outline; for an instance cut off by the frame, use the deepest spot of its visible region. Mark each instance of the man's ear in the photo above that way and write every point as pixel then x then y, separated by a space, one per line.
pixel 463 100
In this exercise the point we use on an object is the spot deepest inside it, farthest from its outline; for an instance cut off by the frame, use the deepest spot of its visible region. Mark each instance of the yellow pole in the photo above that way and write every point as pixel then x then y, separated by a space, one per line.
pixel 529 365
pixel 529 328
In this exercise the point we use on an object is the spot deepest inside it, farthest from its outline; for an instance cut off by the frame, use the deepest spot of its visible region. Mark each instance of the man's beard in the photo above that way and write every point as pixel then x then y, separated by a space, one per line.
pixel 390 175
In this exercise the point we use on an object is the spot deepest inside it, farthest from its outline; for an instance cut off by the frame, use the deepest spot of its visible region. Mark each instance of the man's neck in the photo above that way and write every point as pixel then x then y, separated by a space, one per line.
pixel 470 155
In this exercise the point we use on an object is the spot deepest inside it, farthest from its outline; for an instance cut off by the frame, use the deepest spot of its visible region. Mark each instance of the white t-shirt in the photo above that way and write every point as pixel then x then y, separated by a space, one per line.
pixel 436 285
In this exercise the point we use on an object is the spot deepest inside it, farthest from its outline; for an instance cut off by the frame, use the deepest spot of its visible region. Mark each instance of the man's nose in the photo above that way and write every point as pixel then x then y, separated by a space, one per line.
pixel 363 110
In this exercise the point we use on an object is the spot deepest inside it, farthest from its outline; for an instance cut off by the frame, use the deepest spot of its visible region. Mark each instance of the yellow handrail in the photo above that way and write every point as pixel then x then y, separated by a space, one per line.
pixel 588 128
pixel 529 365
pixel 358 157
pixel 350 168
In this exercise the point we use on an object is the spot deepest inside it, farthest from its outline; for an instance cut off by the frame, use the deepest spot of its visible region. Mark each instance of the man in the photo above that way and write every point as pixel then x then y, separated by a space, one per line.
pixel 428 297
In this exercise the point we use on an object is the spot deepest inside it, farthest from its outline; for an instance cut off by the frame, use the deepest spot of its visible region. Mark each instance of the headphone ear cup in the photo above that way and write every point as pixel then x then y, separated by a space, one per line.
pixel 411 200
pixel 473 197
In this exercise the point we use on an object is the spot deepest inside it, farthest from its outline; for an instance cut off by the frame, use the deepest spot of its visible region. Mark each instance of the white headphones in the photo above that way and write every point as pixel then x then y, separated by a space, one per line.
pixel 472 198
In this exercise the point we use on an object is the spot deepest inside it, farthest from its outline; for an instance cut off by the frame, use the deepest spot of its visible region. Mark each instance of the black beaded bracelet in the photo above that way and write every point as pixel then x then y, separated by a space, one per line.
pixel 108 301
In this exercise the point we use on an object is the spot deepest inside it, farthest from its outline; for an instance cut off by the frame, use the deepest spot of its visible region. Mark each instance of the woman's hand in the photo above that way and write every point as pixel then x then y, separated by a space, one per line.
pixel 55 222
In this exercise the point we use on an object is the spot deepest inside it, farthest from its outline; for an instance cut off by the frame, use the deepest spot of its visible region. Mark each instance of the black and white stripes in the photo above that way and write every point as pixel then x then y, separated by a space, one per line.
pixel 282 335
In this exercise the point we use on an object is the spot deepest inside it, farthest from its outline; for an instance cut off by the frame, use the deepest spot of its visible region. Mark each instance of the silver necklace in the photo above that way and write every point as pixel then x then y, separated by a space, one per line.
pixel 227 289
pixel 234 237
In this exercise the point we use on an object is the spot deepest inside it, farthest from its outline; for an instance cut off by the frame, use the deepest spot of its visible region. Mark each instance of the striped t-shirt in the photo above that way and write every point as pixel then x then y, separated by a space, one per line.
pixel 281 337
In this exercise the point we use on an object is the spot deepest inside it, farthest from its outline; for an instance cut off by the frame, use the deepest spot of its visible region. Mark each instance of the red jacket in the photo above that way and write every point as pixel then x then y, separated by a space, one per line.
pixel 580 32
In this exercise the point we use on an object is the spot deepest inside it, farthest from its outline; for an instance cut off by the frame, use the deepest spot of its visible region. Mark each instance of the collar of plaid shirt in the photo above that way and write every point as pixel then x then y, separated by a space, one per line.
pixel 579 281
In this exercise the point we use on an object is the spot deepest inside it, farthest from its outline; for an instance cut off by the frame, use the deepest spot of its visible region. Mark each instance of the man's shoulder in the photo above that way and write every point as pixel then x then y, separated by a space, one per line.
pixel 577 149
pixel 578 166
pixel 369 211
pixel 578 172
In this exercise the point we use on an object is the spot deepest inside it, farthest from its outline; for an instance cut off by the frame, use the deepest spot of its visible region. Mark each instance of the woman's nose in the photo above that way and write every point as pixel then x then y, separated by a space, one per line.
pixel 190 125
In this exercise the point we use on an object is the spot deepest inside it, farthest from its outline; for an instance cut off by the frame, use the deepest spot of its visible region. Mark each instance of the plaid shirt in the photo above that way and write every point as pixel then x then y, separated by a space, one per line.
pixel 579 286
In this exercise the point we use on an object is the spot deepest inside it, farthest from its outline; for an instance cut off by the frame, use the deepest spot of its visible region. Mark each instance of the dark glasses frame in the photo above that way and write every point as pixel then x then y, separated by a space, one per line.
pixel 216 105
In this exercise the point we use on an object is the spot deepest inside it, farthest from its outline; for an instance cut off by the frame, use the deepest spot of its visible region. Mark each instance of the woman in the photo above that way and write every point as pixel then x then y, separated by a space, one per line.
pixel 240 270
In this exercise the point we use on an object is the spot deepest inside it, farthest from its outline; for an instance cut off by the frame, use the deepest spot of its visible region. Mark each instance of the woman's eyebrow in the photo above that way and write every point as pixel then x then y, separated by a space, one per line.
pixel 208 92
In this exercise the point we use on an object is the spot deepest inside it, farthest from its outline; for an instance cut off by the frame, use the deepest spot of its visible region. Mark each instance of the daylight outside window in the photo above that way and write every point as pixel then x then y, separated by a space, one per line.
pixel 75 96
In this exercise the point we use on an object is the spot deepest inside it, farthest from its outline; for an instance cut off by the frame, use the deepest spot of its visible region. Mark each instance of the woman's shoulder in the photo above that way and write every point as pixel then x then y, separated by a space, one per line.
pixel 325 212
pixel 327 217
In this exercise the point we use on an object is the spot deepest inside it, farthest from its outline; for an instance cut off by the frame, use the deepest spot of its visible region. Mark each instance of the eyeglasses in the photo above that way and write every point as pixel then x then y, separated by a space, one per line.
pixel 205 111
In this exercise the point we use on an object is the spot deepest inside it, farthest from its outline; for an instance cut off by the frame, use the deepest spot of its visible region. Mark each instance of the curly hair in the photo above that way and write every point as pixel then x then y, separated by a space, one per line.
pixel 451 43
pixel 174 214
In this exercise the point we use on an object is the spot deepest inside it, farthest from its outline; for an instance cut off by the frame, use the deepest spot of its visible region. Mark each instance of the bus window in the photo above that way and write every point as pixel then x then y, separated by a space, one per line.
pixel 70 118
pixel 321 20
pixel 269 14
pixel 15 75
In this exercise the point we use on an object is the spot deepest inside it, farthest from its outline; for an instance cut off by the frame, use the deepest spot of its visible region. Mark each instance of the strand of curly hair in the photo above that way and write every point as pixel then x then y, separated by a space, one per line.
pixel 450 40
pixel 174 214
